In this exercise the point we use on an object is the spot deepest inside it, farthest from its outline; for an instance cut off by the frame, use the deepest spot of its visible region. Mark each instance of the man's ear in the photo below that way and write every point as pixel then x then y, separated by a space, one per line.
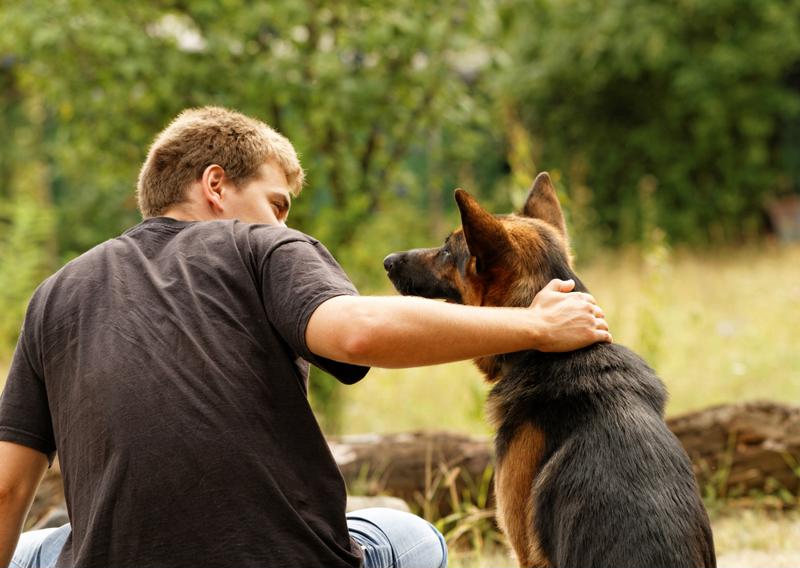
pixel 486 237
pixel 212 183
pixel 542 203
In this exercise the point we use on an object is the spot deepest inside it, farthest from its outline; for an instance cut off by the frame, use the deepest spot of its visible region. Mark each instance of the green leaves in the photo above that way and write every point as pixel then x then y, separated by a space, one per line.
pixel 391 105
pixel 354 85
pixel 695 94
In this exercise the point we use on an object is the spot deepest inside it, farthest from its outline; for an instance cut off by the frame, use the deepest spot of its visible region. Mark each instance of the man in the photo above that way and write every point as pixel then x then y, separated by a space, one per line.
pixel 168 367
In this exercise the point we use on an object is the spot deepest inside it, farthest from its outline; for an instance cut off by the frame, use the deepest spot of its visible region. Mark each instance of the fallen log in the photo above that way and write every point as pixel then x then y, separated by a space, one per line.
pixel 431 471
pixel 736 450
pixel 741 449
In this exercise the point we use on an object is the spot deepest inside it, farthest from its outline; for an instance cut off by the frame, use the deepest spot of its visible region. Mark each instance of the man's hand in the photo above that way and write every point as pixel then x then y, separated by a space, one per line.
pixel 21 470
pixel 567 321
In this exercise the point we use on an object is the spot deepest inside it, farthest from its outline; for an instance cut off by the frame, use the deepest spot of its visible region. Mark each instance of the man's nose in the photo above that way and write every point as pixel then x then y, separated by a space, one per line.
pixel 390 261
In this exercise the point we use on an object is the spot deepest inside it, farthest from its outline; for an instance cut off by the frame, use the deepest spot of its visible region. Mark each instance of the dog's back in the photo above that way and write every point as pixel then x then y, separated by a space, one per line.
pixel 613 486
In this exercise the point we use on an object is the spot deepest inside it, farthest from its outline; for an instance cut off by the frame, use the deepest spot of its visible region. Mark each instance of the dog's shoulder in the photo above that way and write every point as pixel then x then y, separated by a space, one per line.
pixel 562 392
pixel 589 376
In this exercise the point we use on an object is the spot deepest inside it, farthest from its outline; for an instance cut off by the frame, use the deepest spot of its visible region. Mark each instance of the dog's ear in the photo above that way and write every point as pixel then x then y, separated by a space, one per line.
pixel 542 203
pixel 486 237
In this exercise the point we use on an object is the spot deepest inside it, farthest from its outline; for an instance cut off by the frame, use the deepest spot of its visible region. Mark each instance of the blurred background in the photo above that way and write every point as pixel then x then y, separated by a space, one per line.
pixel 671 130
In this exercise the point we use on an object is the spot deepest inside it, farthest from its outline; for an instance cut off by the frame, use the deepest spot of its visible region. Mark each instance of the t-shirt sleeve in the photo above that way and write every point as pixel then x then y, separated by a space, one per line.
pixel 298 276
pixel 24 410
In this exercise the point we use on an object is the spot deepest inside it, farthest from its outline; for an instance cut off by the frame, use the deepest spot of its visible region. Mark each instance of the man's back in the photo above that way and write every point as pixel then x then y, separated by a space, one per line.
pixel 170 360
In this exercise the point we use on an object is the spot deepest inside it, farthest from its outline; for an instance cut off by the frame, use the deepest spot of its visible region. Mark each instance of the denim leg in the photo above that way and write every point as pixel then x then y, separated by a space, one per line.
pixel 389 538
pixel 40 549
pixel 395 539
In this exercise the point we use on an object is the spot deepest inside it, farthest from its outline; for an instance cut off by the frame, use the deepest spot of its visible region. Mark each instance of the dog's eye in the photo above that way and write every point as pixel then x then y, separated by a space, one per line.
pixel 444 253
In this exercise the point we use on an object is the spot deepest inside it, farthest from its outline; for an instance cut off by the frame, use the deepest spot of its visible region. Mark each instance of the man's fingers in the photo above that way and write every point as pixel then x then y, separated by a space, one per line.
pixel 573 315
pixel 557 285
pixel 603 336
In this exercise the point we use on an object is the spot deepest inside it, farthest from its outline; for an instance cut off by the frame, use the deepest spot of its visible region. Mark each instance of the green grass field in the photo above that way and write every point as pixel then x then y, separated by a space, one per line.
pixel 717 327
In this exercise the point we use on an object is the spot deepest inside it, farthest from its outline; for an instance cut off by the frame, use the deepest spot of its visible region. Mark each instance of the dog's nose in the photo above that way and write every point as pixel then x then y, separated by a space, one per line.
pixel 390 260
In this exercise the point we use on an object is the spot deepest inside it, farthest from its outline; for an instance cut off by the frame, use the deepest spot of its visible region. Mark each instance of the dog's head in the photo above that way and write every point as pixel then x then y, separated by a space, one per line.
pixel 492 260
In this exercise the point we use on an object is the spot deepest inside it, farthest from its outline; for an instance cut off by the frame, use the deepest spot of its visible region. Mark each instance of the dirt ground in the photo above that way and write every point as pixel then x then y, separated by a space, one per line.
pixel 755 539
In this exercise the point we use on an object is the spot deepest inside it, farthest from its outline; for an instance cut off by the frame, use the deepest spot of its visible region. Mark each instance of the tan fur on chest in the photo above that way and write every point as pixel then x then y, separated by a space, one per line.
pixel 490 367
pixel 514 480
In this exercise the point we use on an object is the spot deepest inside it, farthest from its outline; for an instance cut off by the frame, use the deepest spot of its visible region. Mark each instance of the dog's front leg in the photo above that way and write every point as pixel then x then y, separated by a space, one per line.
pixel 514 479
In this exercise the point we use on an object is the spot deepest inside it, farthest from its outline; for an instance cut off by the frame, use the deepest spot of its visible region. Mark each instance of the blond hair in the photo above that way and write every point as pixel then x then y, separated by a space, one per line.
pixel 199 137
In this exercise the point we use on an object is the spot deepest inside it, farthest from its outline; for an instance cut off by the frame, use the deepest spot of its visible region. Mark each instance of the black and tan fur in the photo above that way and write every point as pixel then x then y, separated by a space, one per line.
pixel 588 475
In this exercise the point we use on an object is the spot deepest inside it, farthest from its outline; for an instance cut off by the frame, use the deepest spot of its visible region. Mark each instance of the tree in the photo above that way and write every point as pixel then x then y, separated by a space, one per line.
pixel 693 96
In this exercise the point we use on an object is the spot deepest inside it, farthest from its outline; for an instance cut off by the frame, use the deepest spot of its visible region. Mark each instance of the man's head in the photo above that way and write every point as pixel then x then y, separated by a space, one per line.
pixel 212 162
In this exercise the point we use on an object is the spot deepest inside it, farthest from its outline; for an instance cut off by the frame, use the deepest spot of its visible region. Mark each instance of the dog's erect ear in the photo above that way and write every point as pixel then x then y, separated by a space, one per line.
pixel 542 203
pixel 486 237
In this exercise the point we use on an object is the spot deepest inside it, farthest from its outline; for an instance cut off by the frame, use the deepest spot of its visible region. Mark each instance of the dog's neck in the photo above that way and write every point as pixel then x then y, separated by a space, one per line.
pixel 495 367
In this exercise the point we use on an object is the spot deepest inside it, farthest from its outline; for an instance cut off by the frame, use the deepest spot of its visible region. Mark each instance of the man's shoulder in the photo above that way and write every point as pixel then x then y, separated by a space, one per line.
pixel 70 275
pixel 87 259
pixel 267 238
pixel 270 234
pixel 277 234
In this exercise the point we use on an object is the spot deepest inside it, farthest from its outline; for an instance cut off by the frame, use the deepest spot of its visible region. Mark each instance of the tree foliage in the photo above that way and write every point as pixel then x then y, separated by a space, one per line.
pixel 696 96
pixel 363 89
pixel 357 86
pixel 681 116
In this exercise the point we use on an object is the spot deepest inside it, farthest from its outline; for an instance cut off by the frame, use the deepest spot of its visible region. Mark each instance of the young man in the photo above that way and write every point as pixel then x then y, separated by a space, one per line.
pixel 168 367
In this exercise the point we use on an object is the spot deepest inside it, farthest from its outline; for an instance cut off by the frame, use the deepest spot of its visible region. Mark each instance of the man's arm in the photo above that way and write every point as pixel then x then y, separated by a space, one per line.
pixel 21 470
pixel 399 332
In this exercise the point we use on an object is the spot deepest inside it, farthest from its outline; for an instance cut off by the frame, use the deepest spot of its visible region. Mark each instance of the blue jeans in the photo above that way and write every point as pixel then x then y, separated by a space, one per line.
pixel 389 539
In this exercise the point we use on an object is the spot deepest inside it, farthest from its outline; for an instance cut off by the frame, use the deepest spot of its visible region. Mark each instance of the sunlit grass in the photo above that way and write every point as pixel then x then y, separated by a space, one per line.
pixel 758 531
pixel 742 538
pixel 717 327
pixel 727 323
pixel 447 397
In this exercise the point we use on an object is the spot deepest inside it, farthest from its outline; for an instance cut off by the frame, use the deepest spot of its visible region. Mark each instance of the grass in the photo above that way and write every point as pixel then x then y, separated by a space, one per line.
pixel 717 327
pixel 746 537
pixel 749 538
pixel 759 530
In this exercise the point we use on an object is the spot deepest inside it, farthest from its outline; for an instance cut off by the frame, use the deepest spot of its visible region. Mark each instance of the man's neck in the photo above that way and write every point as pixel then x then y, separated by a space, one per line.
pixel 186 212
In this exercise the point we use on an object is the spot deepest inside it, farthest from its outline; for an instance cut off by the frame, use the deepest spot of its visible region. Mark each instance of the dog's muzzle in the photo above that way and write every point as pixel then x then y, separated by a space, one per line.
pixel 390 261
pixel 411 274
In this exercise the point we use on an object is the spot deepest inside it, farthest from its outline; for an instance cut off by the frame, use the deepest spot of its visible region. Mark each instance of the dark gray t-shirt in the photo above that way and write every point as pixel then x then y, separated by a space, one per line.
pixel 168 369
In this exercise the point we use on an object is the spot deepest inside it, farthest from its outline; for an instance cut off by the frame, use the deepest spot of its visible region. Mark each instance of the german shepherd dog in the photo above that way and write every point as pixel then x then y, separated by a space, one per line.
pixel 587 474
